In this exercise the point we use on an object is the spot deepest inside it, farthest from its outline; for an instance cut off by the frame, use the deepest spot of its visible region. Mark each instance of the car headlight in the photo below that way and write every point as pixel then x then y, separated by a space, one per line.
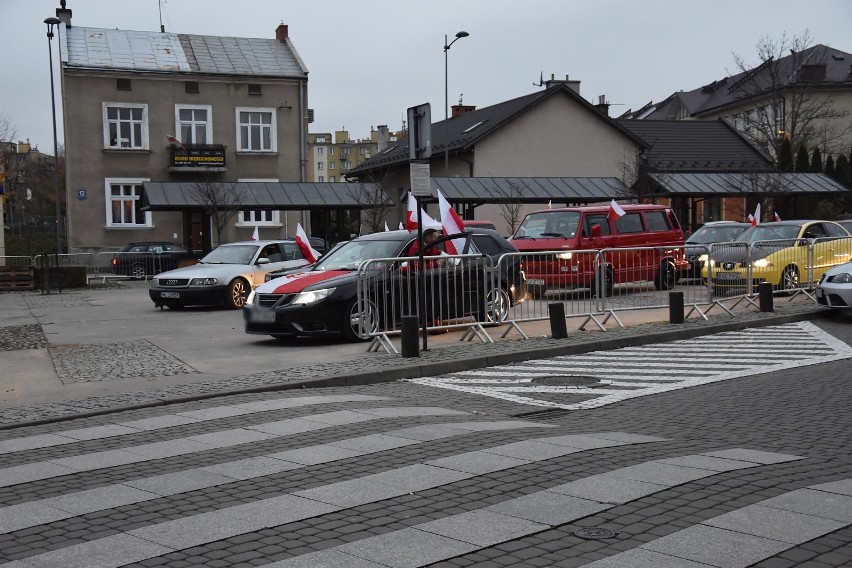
pixel 250 299
pixel 702 258
pixel 312 296
pixel 203 282
pixel 761 263
pixel 844 278
pixel 565 256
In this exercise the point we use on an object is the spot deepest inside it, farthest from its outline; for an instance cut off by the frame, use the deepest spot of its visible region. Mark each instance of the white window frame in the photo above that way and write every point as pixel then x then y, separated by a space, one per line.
pixel 331 166
pixel 108 184
pixel 249 221
pixel 331 151
pixel 320 165
pixel 320 150
pixel 320 179
pixel 208 135
pixel 273 126
pixel 143 144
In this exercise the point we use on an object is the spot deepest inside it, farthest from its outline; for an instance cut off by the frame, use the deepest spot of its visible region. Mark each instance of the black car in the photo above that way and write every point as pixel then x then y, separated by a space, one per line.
pixel 697 246
pixel 142 259
pixel 325 298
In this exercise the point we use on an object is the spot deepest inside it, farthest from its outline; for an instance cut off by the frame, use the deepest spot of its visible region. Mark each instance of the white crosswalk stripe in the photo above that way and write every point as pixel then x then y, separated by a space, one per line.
pixel 646 370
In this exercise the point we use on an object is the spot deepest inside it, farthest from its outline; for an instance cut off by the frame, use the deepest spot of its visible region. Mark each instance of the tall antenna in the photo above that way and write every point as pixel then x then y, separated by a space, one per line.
pixel 160 6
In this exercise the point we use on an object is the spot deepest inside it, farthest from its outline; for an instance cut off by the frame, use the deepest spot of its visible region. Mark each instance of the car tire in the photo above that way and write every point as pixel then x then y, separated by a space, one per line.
pixel 238 291
pixel 137 271
pixel 497 303
pixel 352 317
pixel 666 278
pixel 789 279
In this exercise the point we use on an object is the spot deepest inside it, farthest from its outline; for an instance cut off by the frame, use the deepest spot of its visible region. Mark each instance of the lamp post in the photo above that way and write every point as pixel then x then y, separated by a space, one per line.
pixel 447 47
pixel 51 22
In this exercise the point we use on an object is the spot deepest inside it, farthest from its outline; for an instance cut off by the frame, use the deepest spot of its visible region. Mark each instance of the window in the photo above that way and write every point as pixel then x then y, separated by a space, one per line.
pixel 332 165
pixel 191 87
pixel 256 130
pixel 123 84
pixel 332 178
pixel 364 150
pixel 123 204
pixel 320 151
pixel 656 221
pixel 320 165
pixel 319 140
pixel 258 217
pixel 629 223
pixel 345 165
pixel 193 123
pixel 591 220
pixel 125 125
pixel 320 179
pixel 255 89
pixel 331 151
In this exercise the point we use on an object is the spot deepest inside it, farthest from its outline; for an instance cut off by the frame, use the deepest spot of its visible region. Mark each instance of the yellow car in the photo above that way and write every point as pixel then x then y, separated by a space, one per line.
pixel 788 254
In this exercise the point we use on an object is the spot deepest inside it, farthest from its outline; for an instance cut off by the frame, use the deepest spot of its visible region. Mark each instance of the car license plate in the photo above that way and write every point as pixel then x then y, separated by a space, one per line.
pixel 728 275
pixel 170 294
pixel 535 281
pixel 263 316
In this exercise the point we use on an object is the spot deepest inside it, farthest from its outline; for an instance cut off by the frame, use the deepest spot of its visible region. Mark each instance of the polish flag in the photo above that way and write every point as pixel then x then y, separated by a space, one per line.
pixel 615 211
pixel 386 227
pixel 305 245
pixel 751 220
pixel 176 143
pixel 401 227
pixel 550 204
pixel 255 236
pixel 777 216
pixel 451 224
pixel 757 215
pixel 411 218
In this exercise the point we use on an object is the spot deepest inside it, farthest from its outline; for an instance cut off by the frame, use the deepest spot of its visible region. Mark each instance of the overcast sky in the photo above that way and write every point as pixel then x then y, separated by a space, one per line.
pixel 369 61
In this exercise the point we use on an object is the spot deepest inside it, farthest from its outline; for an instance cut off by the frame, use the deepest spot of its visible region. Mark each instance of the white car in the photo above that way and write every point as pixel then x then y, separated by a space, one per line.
pixel 226 275
pixel 834 288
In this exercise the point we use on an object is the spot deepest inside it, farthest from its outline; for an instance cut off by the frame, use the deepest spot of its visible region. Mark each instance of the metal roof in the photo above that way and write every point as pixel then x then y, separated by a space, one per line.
pixel 150 51
pixel 178 196
pixel 740 183
pixel 528 189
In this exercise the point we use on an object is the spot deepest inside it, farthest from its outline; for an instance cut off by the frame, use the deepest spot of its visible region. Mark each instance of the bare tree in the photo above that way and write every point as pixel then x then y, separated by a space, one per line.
pixel 786 93
pixel 221 201
pixel 373 201
pixel 636 178
pixel 510 204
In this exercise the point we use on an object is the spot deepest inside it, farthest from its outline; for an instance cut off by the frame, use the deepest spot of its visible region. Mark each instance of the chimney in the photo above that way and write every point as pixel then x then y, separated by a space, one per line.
pixel 281 33
pixel 573 85
pixel 63 14
pixel 460 109
pixel 602 105
pixel 384 137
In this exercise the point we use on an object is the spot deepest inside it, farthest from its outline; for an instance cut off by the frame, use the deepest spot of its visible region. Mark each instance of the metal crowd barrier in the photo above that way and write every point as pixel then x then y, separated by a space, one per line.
pixel 16 261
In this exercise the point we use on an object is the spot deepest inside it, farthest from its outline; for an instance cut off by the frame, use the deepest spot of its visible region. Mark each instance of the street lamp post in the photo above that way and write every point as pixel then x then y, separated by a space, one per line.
pixel 51 22
pixel 447 47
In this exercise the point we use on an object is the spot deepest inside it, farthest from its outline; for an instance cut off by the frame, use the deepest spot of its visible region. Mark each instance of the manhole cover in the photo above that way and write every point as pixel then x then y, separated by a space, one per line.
pixel 565 381
pixel 591 533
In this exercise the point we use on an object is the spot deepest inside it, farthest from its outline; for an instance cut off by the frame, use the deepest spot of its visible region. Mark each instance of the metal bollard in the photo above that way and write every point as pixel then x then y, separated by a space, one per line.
pixel 765 295
pixel 558 326
pixel 410 340
pixel 675 307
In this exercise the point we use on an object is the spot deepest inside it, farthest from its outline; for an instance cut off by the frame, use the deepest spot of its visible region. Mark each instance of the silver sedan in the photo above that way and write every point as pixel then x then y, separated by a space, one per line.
pixel 834 289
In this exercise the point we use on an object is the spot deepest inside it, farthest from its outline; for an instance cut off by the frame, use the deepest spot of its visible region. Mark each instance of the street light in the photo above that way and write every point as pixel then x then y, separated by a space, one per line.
pixel 51 22
pixel 447 47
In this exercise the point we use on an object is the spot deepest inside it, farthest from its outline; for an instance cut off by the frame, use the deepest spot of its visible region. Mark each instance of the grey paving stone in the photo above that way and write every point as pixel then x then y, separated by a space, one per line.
pixel 313 455
pixel 279 510
pixel 817 503
pixel 99 460
pixel 639 558
pixel 418 477
pixel 179 482
pixel 288 427
pixel 233 437
pixel 581 441
pixel 33 442
pixel 406 548
pixel 195 530
pixel 82 502
pixel 110 552
pixel 411 411
pixel 19 564
pixel 32 472
pixel 214 413
pixel 482 528
pixel 708 462
pixel 340 417
pixel 351 493
pixel 478 462
pixel 24 515
pixel 532 450
pixel 160 422
pixel 169 448
pixel 755 456
pixel 428 432
pixel 500 425
pixel 324 559
pixel 373 443
pixel 776 524
pixel 548 507
pixel 843 487
pixel 251 467
pixel 717 547
pixel 100 432
pixel 608 488
pixel 662 473
pixel 626 437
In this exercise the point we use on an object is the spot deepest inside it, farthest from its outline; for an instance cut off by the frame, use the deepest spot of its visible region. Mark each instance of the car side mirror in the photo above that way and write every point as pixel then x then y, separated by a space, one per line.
pixel 262 261
pixel 596 230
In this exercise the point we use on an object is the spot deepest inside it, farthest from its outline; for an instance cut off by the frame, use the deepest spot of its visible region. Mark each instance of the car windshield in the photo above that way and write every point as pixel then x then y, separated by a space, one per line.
pixel 549 224
pixel 353 253
pixel 716 234
pixel 769 233
pixel 232 254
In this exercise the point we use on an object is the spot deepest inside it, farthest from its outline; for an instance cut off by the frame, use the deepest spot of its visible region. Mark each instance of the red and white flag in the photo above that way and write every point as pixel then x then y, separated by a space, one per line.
pixel 751 220
pixel 255 236
pixel 411 217
pixel 550 204
pixel 615 211
pixel 451 224
pixel 777 216
pixel 305 245
pixel 757 215
pixel 386 227
pixel 176 143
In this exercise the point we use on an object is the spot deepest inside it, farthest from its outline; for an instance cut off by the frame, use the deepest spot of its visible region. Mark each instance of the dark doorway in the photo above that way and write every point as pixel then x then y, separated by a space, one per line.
pixel 335 225
pixel 197 232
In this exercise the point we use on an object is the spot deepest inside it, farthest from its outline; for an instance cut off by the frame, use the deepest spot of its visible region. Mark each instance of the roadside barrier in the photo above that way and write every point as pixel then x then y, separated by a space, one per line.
pixel 18 261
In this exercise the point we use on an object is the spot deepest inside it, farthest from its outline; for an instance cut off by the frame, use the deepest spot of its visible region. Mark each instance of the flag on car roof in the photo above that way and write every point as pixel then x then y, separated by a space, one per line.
pixel 386 226
pixel 304 244
pixel 757 215
pixel 550 204
pixel 777 216
pixel 451 224
pixel 751 220
pixel 411 217
pixel 255 236
pixel 615 211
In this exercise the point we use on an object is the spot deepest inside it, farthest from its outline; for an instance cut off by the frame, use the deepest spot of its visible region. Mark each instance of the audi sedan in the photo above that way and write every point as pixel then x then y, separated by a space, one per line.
pixel 226 275
pixel 834 289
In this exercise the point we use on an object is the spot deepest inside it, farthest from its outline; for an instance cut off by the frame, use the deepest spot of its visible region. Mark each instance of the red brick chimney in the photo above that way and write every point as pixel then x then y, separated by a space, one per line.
pixel 459 110
pixel 281 33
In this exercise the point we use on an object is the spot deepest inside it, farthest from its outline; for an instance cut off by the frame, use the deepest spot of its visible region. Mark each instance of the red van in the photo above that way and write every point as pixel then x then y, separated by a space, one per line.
pixel 590 228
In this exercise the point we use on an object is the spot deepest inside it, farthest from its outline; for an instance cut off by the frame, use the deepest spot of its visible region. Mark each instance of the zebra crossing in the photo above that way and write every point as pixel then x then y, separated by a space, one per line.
pixel 599 378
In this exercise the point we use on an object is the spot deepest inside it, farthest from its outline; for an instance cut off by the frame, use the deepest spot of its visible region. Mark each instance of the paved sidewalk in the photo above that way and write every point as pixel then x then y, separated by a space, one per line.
pixel 47 377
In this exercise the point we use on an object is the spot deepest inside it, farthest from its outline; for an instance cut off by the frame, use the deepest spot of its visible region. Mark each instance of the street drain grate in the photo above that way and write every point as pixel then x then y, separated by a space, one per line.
pixel 591 533
pixel 566 381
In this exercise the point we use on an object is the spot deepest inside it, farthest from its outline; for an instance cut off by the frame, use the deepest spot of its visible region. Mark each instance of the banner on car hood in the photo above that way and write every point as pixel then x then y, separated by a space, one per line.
pixel 298 282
